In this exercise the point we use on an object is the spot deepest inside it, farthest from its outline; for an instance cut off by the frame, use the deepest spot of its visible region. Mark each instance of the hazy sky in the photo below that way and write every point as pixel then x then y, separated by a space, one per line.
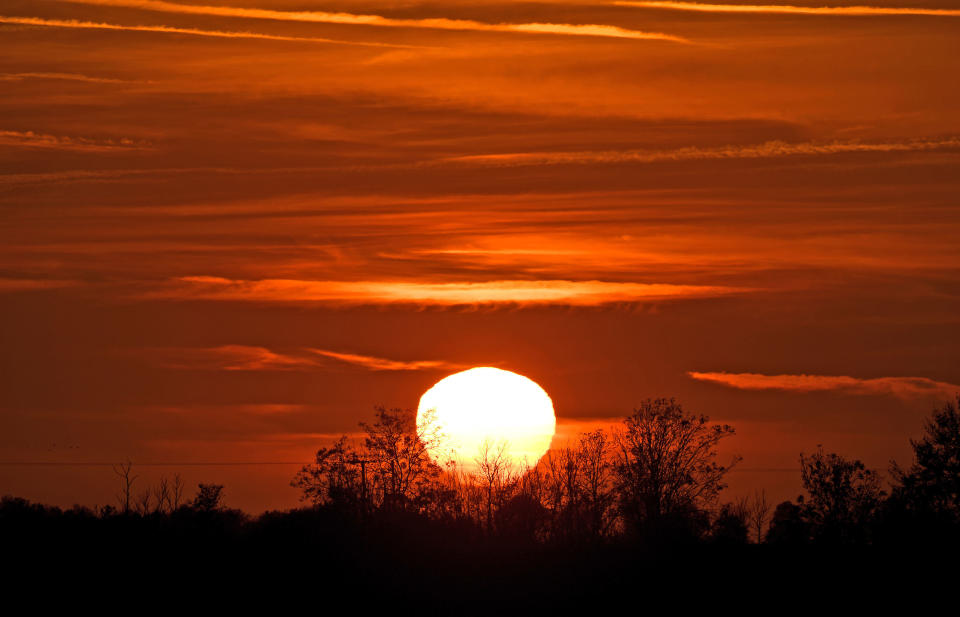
pixel 229 230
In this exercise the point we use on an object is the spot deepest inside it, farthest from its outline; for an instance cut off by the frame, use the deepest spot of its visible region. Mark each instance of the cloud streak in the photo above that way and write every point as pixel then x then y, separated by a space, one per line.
pixel 903 387
pixel 770 149
pixel 383 364
pixel 789 9
pixel 30 139
pixel 254 358
pixel 230 358
pixel 90 25
pixel 66 77
pixel 13 285
pixel 437 23
pixel 518 292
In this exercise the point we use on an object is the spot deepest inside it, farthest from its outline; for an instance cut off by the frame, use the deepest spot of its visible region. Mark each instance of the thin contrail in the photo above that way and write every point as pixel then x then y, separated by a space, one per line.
pixel 790 9
pixel 436 23
pixel 90 25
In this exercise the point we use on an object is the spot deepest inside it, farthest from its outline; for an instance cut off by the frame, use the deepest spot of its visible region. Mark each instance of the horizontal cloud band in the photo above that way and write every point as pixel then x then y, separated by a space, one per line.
pixel 253 358
pixel 896 386
pixel 598 30
pixel 559 292
pixel 90 25
pixel 790 9
pixel 770 149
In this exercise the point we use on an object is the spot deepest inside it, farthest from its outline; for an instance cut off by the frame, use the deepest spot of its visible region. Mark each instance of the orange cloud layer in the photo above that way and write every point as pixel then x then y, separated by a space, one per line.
pixel 8 284
pixel 601 30
pixel 253 358
pixel 65 77
pixel 897 386
pixel 231 358
pixel 89 25
pixel 571 293
pixel 770 149
pixel 792 9
pixel 30 139
pixel 384 364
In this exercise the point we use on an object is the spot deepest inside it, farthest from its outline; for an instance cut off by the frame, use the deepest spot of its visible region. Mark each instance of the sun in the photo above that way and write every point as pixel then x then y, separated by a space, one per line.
pixel 487 406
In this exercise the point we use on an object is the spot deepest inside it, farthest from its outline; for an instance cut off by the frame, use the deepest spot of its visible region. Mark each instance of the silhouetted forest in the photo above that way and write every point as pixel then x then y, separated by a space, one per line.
pixel 617 507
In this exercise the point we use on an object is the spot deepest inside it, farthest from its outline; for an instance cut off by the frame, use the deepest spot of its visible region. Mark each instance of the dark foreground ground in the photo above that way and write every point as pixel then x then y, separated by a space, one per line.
pixel 314 562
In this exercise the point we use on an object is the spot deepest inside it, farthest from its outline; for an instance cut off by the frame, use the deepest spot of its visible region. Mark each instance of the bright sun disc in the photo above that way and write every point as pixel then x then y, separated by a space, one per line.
pixel 489 405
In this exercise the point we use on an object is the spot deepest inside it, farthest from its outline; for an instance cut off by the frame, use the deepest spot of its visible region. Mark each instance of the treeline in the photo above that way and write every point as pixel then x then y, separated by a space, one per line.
pixel 655 482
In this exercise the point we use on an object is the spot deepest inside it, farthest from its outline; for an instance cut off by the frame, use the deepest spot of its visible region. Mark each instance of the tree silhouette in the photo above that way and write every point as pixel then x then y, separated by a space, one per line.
pixel 932 483
pixel 398 451
pixel 665 466
pixel 334 478
pixel 576 485
pixel 496 475
pixel 925 501
pixel 125 496
pixel 209 498
pixel 392 469
pixel 758 514
pixel 787 525
pixel 843 497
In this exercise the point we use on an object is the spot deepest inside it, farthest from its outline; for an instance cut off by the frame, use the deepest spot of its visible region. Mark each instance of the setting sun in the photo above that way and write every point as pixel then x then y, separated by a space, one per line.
pixel 492 406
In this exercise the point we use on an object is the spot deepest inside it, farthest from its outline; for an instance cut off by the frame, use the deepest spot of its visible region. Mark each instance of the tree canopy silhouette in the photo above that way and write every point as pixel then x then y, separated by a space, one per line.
pixel 665 464
pixel 844 497
pixel 927 494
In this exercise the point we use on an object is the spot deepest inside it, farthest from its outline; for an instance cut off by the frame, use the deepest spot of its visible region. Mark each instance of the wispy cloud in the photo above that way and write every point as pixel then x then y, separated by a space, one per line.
pixel 383 364
pixel 770 149
pixel 904 387
pixel 437 23
pixel 9 284
pixel 93 79
pixel 230 358
pixel 255 358
pixel 30 139
pixel 521 292
pixel 793 10
pixel 90 25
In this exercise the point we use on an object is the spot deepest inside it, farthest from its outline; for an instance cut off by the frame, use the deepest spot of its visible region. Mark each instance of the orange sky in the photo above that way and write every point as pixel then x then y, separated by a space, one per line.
pixel 231 228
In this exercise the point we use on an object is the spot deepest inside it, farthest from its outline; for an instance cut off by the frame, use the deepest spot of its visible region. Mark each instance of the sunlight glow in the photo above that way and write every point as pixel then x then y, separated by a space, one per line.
pixel 488 405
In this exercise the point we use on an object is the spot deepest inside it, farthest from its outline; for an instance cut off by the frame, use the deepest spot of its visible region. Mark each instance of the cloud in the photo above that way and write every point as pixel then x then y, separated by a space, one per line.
pixel 66 77
pixel 596 30
pixel 903 387
pixel 384 364
pixel 7 284
pixel 793 10
pixel 89 25
pixel 253 358
pixel 29 139
pixel 537 292
pixel 770 149
pixel 230 358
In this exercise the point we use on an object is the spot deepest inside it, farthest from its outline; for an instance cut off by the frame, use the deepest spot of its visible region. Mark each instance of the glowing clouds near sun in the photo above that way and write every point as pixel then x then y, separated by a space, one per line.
pixel 487 408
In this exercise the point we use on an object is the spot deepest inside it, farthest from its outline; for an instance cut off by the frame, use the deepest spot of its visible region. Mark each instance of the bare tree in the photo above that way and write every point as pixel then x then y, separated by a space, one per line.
pixel 333 477
pixel 392 469
pixel 665 463
pixel 142 503
pixel 495 474
pixel 161 496
pixel 398 449
pixel 176 492
pixel 759 514
pixel 125 496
